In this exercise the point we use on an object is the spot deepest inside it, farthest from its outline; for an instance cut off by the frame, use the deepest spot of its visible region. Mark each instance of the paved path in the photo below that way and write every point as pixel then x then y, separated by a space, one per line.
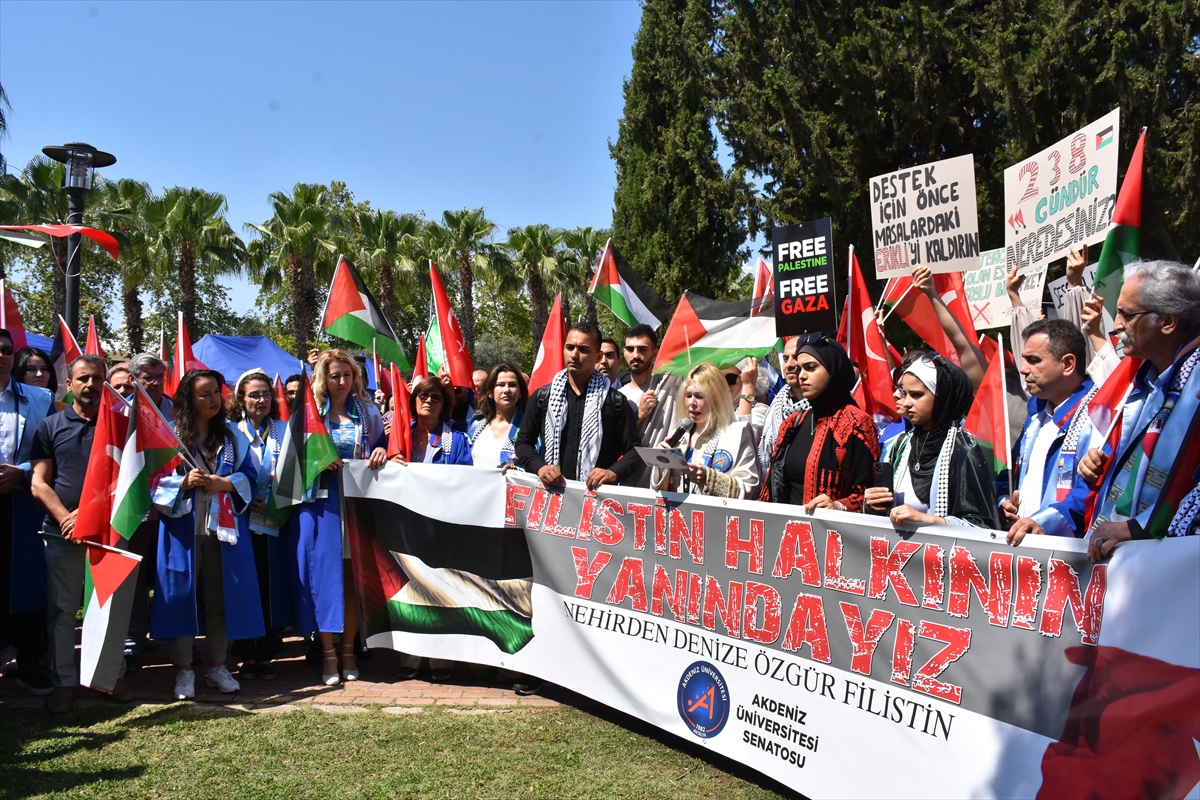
pixel 299 684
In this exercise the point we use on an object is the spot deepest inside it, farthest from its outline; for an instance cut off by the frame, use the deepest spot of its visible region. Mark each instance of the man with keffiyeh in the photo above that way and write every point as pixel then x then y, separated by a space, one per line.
pixel 578 427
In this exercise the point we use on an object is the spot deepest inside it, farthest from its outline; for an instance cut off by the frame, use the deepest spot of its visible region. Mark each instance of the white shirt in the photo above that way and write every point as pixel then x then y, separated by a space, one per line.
pixel 1044 432
pixel 487 448
pixel 8 424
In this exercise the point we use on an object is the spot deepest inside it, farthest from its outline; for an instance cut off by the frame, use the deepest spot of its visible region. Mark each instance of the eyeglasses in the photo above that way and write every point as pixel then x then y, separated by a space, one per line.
pixel 811 338
pixel 426 397
pixel 259 396
pixel 6 350
pixel 1123 314
pixel 733 378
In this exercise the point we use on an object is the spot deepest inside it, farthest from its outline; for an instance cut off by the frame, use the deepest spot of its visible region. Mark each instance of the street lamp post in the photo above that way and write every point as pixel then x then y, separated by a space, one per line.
pixel 81 162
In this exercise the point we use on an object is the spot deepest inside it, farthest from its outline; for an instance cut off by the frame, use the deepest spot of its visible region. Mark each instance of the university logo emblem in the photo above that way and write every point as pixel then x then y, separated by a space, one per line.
pixel 722 461
pixel 703 699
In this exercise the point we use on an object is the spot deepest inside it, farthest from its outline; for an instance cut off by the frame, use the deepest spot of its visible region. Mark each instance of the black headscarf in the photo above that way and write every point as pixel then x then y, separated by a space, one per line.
pixel 951 402
pixel 841 376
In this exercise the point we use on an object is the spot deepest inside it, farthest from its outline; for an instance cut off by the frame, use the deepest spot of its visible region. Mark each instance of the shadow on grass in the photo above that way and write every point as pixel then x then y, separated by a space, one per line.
pixel 635 725
pixel 30 737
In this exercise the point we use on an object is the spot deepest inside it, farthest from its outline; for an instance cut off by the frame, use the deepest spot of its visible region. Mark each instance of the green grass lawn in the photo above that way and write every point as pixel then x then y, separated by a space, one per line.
pixel 180 751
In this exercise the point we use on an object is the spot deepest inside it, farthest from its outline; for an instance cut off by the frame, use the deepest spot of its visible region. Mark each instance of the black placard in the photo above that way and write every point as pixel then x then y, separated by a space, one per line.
pixel 804 288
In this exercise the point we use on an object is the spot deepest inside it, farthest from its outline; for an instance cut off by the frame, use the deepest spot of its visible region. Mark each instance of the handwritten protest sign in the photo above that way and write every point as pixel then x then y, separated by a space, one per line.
pixel 1063 196
pixel 987 290
pixel 926 216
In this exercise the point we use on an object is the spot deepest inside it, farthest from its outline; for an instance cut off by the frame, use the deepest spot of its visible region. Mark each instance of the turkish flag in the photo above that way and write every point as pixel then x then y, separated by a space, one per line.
pixel 866 346
pixel 549 360
pixel 454 344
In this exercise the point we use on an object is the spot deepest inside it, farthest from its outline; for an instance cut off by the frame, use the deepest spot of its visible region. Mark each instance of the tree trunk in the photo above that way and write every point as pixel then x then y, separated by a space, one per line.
pixel 591 311
pixel 466 314
pixel 566 308
pixel 538 305
pixel 303 303
pixel 387 299
pixel 131 301
pixel 187 289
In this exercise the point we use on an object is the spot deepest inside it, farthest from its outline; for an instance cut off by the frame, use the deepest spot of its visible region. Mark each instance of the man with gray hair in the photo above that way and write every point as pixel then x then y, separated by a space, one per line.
pixel 1158 319
pixel 151 373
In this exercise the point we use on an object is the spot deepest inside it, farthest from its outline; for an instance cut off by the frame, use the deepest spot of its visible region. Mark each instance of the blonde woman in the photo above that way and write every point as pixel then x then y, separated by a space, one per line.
pixel 719 449
pixel 322 583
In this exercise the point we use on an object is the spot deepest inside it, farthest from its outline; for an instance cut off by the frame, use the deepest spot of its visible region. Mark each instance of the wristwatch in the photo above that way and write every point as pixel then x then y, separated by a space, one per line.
pixel 749 398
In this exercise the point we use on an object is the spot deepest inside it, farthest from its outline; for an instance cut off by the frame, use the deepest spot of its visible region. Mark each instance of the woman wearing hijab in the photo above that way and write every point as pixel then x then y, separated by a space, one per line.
pixel 941 474
pixel 205 558
pixel 720 451
pixel 254 410
pixel 824 455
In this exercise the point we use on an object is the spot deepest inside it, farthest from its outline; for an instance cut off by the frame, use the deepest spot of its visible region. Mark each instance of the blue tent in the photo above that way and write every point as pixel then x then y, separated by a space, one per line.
pixel 234 355
pixel 43 343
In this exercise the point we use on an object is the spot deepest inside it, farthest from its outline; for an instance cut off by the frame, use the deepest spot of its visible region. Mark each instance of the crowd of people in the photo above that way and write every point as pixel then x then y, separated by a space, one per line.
pixel 806 444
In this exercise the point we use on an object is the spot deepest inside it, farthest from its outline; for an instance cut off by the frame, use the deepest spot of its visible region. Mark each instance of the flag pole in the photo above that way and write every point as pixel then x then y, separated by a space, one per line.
pixel 849 296
pixel 3 305
pixel 897 303
pixel 1004 400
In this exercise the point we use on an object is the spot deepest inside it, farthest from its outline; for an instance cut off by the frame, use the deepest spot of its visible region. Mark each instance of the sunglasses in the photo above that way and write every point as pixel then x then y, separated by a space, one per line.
pixel 6 350
pixel 733 378
pixel 812 338
pixel 426 397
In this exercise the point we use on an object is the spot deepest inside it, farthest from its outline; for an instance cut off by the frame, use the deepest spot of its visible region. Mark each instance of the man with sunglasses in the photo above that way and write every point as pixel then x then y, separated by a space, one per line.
pixel 22 553
pixel 652 395
pixel 1157 319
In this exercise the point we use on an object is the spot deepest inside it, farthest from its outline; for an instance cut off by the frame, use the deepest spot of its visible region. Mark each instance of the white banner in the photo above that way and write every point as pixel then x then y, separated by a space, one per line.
pixel 1063 196
pixel 925 216
pixel 833 652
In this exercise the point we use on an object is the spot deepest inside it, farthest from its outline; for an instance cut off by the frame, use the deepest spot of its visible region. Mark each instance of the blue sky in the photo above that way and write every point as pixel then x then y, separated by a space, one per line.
pixel 416 106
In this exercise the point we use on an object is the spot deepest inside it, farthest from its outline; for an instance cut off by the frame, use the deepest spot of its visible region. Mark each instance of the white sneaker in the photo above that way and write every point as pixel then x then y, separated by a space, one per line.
pixel 185 685
pixel 221 679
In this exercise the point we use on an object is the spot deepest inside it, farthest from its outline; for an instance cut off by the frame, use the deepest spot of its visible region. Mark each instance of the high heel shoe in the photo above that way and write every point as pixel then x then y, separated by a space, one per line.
pixel 349 674
pixel 330 678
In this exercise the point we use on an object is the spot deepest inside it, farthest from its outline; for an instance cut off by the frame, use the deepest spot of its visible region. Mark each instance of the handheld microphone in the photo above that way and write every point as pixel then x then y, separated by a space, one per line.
pixel 681 430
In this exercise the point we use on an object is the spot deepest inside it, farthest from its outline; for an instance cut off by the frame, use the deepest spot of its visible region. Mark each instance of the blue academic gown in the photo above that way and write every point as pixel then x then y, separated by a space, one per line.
pixel 28 592
pixel 314 537
pixel 270 544
pixel 460 447
pixel 1057 517
pixel 176 610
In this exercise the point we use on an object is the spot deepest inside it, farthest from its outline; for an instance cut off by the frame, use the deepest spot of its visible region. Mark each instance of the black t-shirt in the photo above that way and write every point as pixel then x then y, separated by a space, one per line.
pixel 66 439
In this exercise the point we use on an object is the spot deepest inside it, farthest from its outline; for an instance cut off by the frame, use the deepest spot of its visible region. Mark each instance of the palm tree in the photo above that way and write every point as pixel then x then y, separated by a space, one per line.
pixel 37 197
pixel 536 262
pixel 463 240
pixel 121 211
pixel 298 245
pixel 584 247
pixel 188 229
pixel 388 235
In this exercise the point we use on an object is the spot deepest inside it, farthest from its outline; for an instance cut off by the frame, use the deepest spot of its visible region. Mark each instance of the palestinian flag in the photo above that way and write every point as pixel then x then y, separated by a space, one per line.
pixel 92 344
pixel 452 339
pixel 431 566
pixel 549 360
pixel 1104 411
pixel 1180 481
pixel 185 360
pixel 435 354
pixel 623 292
pixel 306 450
pixel 1136 231
pixel 93 523
pixel 150 451
pixel 764 284
pixel 711 330
pixel 64 350
pixel 10 318
pixel 108 588
pixel 987 420
pixel 352 314
pixel 165 355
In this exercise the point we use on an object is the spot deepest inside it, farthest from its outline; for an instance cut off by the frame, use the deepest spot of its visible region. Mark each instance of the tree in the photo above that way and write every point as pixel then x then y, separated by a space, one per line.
pixel 387 236
pixel 297 246
pixel 818 99
pixel 585 246
pixel 37 197
pixel 463 241
pixel 120 208
pixel 535 262
pixel 677 216
pixel 188 229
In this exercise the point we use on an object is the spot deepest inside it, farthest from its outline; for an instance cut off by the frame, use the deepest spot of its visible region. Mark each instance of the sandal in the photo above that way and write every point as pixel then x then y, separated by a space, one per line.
pixel 348 673
pixel 330 678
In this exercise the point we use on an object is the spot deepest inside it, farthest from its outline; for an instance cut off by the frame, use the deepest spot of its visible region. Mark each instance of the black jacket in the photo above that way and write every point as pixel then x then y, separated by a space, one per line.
pixel 617 442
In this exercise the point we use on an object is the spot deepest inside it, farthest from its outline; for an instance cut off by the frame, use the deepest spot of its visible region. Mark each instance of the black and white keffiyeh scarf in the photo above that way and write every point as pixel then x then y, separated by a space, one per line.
pixel 556 420
pixel 782 407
